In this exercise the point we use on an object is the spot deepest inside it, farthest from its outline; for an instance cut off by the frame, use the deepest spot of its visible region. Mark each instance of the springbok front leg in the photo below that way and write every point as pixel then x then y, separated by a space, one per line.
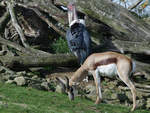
pixel 125 78
pixel 98 86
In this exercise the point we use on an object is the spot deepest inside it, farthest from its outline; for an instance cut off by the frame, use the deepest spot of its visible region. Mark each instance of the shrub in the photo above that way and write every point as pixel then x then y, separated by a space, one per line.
pixel 60 46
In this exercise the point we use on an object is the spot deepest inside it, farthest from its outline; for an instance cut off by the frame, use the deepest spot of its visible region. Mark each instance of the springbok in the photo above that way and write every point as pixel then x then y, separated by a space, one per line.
pixel 107 64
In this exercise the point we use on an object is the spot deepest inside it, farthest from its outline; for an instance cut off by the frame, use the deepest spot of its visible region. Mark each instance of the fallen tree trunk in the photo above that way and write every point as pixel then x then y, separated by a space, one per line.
pixel 18 62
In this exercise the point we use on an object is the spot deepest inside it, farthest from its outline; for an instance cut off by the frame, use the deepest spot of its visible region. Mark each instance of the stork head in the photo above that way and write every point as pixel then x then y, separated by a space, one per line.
pixel 72 14
pixel 65 86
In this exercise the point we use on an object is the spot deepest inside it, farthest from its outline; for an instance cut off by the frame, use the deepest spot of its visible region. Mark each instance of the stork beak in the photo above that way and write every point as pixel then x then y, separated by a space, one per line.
pixel 72 14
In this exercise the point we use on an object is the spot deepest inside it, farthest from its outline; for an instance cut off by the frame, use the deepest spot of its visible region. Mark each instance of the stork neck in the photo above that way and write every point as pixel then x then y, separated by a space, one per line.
pixel 72 14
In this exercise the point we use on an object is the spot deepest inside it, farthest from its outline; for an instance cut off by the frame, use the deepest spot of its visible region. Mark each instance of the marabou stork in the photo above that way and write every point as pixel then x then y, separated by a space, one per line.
pixel 77 36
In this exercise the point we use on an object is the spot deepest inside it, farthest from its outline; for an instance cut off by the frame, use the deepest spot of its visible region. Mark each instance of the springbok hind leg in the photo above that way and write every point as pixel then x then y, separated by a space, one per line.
pixel 128 82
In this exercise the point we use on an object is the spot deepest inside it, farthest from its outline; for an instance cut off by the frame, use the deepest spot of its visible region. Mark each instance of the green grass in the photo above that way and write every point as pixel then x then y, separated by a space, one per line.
pixel 14 99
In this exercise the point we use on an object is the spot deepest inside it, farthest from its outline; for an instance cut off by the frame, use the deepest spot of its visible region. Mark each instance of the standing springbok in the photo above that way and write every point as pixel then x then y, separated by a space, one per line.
pixel 106 64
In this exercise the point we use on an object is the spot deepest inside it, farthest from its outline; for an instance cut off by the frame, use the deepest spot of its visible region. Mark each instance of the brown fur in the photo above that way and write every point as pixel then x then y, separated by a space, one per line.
pixel 105 62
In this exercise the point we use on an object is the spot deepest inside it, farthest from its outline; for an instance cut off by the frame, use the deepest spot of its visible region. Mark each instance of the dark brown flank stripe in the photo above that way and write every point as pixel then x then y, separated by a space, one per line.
pixel 105 62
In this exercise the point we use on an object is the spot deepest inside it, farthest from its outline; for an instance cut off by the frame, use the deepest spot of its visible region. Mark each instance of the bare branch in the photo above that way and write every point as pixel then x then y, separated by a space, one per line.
pixel 16 25
pixel 43 18
pixel 27 51
pixel 135 4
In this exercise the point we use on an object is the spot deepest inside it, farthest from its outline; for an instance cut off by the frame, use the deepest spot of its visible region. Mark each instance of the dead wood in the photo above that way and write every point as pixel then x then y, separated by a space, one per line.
pixel 38 61
pixel 43 17
pixel 135 4
pixel 25 51
pixel 3 21
pixel 16 25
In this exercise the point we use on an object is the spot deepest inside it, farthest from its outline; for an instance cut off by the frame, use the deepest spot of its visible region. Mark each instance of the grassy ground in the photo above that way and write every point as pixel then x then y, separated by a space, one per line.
pixel 14 99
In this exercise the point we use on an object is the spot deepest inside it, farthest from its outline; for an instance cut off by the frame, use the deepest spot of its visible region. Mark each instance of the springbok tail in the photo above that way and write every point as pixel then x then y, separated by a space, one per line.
pixel 133 67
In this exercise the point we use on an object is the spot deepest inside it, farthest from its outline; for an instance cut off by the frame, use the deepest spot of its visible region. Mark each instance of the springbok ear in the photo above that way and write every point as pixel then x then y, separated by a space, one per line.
pixel 62 83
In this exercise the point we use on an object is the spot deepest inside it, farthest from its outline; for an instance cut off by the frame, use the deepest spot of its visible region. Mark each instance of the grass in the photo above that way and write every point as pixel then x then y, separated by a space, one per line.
pixel 14 99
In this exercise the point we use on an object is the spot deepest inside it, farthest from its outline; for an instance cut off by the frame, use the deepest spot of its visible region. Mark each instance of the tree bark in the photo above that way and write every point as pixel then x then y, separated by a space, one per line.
pixel 18 62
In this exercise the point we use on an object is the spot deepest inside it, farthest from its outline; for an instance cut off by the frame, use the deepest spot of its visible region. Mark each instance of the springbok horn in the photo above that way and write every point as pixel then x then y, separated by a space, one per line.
pixel 67 83
pixel 62 83
pixel 69 89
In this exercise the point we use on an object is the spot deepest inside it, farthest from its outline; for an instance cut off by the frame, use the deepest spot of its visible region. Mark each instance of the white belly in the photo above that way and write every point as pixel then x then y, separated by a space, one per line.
pixel 107 70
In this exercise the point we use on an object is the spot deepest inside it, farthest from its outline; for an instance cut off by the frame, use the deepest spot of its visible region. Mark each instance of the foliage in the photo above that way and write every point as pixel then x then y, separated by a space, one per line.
pixel 14 99
pixel 60 46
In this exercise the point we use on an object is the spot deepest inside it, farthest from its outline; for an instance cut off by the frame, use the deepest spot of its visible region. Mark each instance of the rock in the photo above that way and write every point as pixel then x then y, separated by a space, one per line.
pixel 114 96
pixel 91 92
pixel 59 89
pixel 48 80
pixel 9 82
pixel 35 77
pixel 129 95
pixel 21 73
pixel 141 94
pixel 112 85
pixel 30 74
pixel 6 77
pixel 141 103
pixel 148 103
pixel 20 81
pixel 107 93
pixel 45 86
pixel 122 97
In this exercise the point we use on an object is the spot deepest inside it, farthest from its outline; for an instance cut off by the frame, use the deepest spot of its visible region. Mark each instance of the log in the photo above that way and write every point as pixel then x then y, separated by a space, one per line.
pixel 18 62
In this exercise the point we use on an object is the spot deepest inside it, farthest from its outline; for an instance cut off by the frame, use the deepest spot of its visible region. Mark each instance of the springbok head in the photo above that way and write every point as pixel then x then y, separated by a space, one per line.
pixel 66 88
